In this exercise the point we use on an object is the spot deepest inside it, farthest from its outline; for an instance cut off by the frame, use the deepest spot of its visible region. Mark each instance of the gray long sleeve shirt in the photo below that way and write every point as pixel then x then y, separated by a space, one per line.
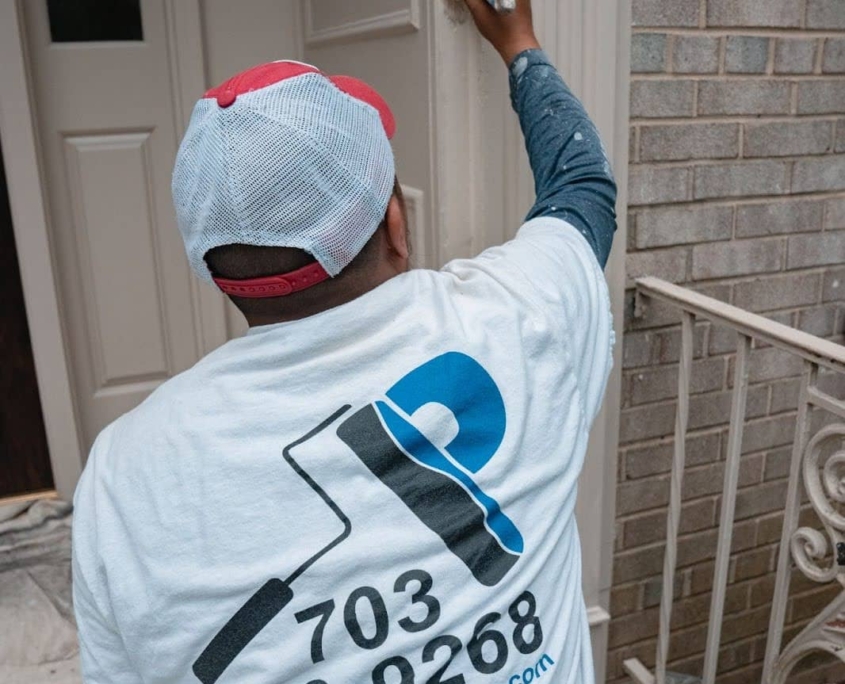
pixel 572 174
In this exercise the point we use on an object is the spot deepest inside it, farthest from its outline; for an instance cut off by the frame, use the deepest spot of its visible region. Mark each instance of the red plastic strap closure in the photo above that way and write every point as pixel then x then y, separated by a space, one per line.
pixel 274 286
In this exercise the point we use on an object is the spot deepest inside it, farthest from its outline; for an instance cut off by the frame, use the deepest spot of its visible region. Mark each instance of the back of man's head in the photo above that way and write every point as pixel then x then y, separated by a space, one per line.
pixel 283 186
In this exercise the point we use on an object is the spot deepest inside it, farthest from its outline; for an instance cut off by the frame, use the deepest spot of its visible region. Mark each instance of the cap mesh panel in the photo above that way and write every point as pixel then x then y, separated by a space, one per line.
pixel 296 164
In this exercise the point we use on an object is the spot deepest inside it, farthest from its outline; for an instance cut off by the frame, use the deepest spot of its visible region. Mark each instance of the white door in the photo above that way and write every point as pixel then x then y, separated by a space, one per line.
pixel 386 43
pixel 459 148
pixel 106 95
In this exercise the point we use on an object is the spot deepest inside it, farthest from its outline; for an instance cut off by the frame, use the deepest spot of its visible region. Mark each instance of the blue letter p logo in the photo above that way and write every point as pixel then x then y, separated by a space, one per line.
pixel 436 482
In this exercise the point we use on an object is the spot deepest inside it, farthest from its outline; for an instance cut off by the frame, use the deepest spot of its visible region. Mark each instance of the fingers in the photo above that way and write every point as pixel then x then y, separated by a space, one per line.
pixel 508 32
pixel 480 9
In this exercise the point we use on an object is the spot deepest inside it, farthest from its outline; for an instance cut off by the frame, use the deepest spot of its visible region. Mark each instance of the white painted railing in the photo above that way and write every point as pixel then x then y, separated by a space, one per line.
pixel 824 484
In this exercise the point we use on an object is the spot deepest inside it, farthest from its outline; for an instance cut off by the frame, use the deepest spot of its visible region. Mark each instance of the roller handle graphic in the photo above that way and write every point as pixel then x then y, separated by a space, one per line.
pixel 253 616
pixel 275 594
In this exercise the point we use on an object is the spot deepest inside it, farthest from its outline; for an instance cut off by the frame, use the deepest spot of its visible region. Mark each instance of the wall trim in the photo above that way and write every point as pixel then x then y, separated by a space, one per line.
pixel 389 24
pixel 29 218
pixel 475 207
pixel 605 77
pixel 422 254
pixel 455 141
pixel 597 616
pixel 186 60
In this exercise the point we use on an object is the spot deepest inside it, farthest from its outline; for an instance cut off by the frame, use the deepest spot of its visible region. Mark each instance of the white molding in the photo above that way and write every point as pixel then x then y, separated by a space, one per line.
pixel 597 616
pixel 422 239
pixel 455 112
pixel 604 36
pixel 477 204
pixel 638 672
pixel 29 218
pixel 297 13
pixel 188 82
pixel 401 21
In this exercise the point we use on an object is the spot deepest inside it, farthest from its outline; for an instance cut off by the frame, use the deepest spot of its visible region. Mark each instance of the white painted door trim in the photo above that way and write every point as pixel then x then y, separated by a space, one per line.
pixel 29 217
pixel 606 50
pixel 590 41
pixel 188 82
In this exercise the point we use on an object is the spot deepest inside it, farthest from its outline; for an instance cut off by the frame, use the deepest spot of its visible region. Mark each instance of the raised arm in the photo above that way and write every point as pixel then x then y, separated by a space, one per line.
pixel 572 176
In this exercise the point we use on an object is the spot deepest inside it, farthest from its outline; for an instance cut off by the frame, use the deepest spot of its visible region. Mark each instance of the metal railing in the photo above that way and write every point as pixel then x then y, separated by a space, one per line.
pixel 824 485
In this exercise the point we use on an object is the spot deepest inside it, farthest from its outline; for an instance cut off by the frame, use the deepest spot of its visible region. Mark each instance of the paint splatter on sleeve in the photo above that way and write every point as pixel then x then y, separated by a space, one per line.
pixel 572 176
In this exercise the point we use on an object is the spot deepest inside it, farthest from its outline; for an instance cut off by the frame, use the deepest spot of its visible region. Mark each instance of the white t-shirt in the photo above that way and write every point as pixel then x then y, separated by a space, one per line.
pixel 382 493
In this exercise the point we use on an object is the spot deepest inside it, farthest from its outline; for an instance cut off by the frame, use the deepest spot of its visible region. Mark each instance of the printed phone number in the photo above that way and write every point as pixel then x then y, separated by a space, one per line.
pixel 488 647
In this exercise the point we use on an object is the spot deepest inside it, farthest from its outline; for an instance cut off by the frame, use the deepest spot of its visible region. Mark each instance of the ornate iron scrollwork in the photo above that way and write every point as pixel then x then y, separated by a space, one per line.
pixel 825 485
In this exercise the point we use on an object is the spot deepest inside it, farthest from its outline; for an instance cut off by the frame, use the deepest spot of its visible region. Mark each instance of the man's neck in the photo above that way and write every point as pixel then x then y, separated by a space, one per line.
pixel 336 294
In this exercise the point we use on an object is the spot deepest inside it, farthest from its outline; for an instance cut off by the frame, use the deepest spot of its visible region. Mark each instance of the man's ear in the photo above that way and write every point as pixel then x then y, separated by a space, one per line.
pixel 397 228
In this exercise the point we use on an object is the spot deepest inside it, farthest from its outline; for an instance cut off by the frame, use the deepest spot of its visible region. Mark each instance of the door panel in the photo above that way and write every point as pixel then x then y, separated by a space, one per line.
pixel 328 21
pixel 24 459
pixel 109 132
pixel 108 176
pixel 460 144
pixel 386 43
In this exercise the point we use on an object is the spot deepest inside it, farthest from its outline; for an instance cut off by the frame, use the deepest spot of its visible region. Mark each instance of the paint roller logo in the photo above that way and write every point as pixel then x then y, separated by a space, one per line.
pixel 434 481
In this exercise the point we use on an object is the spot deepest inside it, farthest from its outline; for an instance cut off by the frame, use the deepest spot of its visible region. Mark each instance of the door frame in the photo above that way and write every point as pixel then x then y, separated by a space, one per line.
pixel 31 224
pixel 21 154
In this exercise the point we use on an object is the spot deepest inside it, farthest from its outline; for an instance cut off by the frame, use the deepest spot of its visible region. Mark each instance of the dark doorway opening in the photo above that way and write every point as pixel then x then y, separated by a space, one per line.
pixel 24 457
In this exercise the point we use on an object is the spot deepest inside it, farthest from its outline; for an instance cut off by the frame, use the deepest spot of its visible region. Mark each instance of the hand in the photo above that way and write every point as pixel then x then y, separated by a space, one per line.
pixel 510 33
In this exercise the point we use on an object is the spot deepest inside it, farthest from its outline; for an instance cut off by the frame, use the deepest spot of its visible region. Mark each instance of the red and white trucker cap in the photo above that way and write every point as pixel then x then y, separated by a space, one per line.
pixel 282 155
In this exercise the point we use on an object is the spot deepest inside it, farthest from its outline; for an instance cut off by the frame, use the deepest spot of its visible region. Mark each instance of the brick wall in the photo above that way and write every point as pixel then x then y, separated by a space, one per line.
pixel 737 189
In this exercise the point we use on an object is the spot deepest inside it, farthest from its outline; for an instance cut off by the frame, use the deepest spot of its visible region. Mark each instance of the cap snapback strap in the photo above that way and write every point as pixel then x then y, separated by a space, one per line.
pixel 274 286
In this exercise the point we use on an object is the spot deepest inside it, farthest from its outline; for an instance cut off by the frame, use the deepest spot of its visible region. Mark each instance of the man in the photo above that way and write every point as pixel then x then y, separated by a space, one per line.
pixel 377 483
